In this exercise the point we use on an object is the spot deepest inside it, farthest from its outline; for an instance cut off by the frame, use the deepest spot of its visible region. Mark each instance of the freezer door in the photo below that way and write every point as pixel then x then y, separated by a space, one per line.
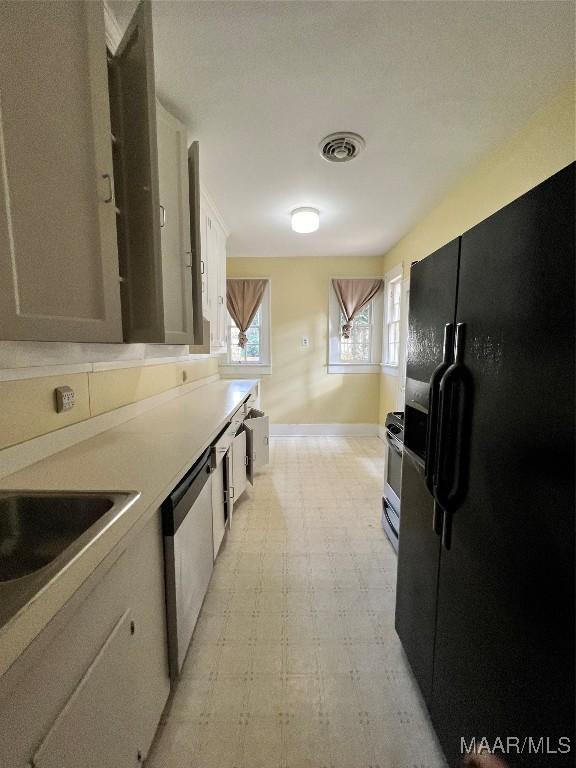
pixel 504 654
pixel 432 306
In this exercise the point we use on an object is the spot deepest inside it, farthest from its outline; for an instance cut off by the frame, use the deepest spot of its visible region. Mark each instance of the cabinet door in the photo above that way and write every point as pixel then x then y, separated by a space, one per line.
pixel 103 709
pixel 239 465
pixel 218 515
pixel 58 252
pixel 214 278
pixel 206 249
pixel 222 311
pixel 174 228
pixel 140 254
pixel 257 442
pixel 197 256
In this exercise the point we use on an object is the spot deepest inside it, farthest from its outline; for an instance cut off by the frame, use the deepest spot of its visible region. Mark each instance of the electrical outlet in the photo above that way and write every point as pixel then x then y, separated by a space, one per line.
pixel 65 398
pixel 305 341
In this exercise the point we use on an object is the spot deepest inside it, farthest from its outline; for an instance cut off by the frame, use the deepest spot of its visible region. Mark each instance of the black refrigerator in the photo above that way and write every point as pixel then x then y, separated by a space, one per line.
pixel 485 592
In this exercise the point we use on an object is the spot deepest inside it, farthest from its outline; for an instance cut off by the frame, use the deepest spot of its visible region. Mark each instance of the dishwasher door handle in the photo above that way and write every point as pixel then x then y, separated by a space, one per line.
pixel 180 502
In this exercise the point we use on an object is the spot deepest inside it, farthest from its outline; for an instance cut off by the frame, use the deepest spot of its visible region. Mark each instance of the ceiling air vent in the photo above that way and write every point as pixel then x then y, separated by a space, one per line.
pixel 341 147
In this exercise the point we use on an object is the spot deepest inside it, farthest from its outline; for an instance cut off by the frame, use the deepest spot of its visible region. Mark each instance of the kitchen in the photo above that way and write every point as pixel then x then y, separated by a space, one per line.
pixel 226 406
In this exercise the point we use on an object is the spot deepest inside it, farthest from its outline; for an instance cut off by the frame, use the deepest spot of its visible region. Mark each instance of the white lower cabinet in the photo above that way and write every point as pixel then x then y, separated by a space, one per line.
pixel 218 508
pixel 104 697
pixel 238 450
pixel 257 429
pixel 90 690
pixel 246 443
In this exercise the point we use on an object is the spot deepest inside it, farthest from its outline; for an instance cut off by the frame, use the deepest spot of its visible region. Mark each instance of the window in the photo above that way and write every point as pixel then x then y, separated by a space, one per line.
pixel 256 353
pixel 356 349
pixel 252 352
pixel 361 353
pixel 391 351
pixel 393 322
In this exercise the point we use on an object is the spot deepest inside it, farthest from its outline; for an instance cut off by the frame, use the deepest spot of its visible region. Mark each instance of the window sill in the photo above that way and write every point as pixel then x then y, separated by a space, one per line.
pixel 390 370
pixel 248 370
pixel 353 368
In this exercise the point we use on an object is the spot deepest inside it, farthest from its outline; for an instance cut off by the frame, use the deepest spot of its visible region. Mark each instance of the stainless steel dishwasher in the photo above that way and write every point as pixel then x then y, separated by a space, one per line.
pixel 188 556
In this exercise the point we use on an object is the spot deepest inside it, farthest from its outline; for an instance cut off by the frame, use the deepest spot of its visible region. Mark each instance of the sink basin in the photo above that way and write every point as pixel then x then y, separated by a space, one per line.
pixel 41 533
pixel 35 529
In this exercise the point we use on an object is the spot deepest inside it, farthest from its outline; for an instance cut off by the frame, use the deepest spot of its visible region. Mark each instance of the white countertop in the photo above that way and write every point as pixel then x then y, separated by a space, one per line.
pixel 149 454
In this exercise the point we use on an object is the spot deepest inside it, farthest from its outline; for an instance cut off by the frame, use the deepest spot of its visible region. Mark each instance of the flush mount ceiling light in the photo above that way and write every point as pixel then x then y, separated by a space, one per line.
pixel 305 220
pixel 341 147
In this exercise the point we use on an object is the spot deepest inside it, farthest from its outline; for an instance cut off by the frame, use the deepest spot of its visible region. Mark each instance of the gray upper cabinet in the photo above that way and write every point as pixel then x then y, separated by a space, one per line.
pixel 175 228
pixel 200 323
pixel 152 197
pixel 58 249
pixel 133 107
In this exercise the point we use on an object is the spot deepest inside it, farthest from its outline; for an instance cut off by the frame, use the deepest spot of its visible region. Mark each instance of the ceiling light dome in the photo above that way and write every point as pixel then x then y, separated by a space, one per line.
pixel 305 220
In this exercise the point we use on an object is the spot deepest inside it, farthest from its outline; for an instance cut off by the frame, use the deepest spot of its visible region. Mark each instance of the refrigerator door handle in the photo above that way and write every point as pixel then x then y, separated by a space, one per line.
pixel 450 480
pixel 432 425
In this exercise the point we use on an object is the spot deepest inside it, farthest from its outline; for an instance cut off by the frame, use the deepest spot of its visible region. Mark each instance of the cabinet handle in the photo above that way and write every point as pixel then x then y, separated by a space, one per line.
pixel 162 216
pixel 110 196
pixel 201 267
pixel 220 299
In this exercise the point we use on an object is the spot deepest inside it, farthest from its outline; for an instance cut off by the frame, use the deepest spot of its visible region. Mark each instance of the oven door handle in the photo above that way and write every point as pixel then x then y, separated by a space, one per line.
pixel 387 506
pixel 395 444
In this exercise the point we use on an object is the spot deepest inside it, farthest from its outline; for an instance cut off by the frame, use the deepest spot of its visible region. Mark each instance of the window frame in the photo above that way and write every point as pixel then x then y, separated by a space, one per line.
pixel 249 369
pixel 335 363
pixel 395 275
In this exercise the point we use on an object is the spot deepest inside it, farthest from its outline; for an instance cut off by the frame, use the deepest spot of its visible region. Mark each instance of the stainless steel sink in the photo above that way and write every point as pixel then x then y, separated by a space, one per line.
pixel 42 532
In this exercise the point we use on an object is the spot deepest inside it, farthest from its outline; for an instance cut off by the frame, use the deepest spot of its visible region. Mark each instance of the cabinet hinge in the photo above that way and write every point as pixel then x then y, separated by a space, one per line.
pixel 246 460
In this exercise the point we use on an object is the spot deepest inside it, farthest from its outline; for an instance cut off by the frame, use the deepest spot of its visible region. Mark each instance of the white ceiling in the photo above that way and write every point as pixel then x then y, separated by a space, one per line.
pixel 432 86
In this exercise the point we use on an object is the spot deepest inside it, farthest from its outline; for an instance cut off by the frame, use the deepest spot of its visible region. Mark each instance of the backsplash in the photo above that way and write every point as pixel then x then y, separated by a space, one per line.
pixel 27 391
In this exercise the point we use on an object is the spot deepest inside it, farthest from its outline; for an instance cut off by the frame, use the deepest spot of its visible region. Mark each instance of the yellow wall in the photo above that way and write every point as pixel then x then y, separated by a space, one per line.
pixel 300 390
pixel 28 404
pixel 544 146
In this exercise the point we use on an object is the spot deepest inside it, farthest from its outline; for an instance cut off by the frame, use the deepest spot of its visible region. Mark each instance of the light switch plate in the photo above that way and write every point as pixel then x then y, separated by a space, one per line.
pixel 305 341
pixel 65 398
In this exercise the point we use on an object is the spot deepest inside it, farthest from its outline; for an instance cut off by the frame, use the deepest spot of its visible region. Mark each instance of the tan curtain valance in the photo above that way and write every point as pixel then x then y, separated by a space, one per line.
pixel 243 297
pixel 353 295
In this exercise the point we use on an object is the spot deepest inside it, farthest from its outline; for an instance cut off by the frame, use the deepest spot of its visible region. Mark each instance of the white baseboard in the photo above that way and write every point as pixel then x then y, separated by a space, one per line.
pixel 350 430
pixel 381 431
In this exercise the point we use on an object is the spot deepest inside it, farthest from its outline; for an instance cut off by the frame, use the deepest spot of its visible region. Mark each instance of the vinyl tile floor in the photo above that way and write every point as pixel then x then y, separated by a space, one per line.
pixel 294 662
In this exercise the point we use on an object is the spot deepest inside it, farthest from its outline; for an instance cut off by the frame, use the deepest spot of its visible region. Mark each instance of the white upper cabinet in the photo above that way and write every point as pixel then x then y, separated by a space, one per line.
pixel 58 252
pixel 214 237
pixel 175 228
